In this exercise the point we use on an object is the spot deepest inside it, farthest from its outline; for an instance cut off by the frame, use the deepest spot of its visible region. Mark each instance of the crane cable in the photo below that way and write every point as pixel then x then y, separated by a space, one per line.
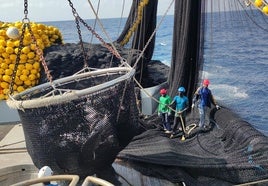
pixel 154 32
pixel 111 48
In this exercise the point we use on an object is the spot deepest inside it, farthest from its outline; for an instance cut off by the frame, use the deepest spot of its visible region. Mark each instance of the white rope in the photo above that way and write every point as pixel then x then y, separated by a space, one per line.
pixel 152 97
pixel 121 17
pixel 95 180
pixel 69 94
pixel 154 32
pixel 94 26
pixel 73 178
pixel 102 27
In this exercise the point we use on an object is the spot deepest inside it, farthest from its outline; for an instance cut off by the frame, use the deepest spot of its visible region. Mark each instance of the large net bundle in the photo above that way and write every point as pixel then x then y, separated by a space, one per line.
pixel 230 151
pixel 71 127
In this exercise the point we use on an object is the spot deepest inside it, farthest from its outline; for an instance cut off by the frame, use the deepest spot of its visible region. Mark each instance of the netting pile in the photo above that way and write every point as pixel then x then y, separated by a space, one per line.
pixel 80 135
pixel 82 132
pixel 230 151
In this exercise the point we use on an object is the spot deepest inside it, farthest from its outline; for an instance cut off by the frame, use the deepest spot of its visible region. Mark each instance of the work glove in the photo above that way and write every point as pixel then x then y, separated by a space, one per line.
pixel 158 113
pixel 169 113
pixel 192 105
pixel 218 107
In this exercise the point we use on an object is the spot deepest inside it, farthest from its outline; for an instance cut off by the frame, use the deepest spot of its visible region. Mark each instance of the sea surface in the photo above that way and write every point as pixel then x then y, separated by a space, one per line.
pixel 235 58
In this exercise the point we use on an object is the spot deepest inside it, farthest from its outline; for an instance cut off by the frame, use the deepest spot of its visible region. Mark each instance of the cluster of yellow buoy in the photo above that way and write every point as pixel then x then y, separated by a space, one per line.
pixel 28 69
pixel 262 5
pixel 136 23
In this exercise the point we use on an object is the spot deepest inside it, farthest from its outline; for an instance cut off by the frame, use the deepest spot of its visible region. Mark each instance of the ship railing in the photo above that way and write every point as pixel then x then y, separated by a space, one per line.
pixel 74 180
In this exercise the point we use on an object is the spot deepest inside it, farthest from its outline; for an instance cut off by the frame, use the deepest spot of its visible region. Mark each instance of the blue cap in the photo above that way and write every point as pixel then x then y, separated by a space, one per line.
pixel 181 89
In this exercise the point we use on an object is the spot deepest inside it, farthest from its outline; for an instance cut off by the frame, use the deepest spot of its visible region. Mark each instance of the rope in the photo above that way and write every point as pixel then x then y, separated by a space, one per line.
pixel 122 100
pixel 70 95
pixel 119 26
pixel 253 183
pixel 150 96
pixel 26 24
pixel 252 19
pixel 135 24
pixel 121 16
pixel 94 26
pixel 111 48
pixel 211 35
pixel 97 13
pixel 95 180
pixel 154 32
pixel 260 5
pixel 73 178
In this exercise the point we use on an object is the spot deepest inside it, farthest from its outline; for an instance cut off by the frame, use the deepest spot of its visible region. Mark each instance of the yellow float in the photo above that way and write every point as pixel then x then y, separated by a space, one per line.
pixel 265 9
pixel 258 3
pixel 262 5
pixel 28 70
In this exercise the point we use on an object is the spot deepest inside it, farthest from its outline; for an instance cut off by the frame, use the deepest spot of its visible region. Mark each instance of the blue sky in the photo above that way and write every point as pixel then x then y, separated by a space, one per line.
pixel 57 10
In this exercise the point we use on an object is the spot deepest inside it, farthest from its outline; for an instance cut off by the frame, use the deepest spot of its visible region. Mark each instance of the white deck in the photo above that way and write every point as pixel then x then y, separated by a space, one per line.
pixel 8 115
pixel 16 164
pixel 13 147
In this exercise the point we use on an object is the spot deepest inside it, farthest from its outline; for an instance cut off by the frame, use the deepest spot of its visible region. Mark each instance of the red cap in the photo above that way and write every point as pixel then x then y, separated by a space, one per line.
pixel 163 91
pixel 206 82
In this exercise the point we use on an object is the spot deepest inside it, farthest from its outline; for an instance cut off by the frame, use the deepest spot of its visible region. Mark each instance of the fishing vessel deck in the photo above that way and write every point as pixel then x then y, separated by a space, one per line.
pixel 17 166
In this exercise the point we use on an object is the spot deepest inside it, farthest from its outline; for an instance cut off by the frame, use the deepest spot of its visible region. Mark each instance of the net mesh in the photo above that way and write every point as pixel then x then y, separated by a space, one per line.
pixel 74 136
pixel 230 151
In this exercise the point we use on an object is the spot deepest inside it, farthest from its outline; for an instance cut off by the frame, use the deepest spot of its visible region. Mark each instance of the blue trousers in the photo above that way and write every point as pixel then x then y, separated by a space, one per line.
pixel 203 115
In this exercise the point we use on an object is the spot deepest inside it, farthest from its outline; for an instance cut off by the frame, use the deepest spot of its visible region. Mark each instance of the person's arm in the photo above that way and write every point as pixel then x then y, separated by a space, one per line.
pixel 195 97
pixel 158 108
pixel 187 102
pixel 173 101
pixel 168 105
pixel 213 100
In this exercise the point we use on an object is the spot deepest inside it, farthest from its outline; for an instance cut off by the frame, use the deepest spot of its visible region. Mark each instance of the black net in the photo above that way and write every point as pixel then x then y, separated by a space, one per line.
pixel 187 37
pixel 229 151
pixel 141 35
pixel 82 135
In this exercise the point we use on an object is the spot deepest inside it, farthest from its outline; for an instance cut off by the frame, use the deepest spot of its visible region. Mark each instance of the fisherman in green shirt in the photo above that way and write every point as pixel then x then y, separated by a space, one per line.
pixel 164 110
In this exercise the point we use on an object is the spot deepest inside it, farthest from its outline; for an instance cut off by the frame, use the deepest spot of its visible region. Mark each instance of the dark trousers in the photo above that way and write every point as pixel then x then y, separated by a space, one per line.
pixel 165 121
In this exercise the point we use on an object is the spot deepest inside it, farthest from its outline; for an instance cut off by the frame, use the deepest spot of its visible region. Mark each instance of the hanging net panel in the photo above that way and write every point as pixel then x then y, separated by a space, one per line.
pixel 70 125
pixel 230 151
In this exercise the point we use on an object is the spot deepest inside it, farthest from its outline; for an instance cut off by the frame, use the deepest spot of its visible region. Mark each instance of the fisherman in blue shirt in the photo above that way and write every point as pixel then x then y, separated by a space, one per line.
pixel 182 103
pixel 204 97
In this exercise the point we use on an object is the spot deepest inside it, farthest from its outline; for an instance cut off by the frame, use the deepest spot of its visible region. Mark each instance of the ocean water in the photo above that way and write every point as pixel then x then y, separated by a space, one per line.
pixel 235 59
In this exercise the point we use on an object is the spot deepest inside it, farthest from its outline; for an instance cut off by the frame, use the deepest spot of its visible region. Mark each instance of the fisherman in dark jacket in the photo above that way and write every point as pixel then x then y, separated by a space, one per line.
pixel 205 98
